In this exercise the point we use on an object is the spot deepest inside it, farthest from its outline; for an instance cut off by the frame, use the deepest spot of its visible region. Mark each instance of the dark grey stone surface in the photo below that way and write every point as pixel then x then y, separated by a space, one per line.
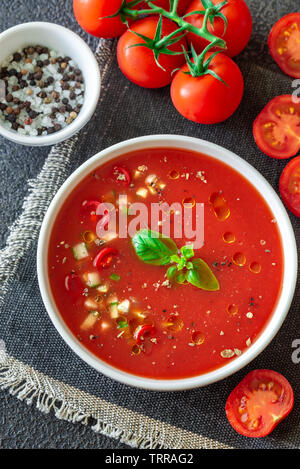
pixel 22 426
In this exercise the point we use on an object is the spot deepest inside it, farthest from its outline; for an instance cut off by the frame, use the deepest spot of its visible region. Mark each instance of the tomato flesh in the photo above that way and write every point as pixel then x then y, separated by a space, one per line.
pixel 284 44
pixel 237 33
pixel 277 128
pixel 259 402
pixel 289 186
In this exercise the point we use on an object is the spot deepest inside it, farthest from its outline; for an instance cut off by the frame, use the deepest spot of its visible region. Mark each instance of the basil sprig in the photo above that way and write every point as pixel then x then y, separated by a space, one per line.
pixel 153 248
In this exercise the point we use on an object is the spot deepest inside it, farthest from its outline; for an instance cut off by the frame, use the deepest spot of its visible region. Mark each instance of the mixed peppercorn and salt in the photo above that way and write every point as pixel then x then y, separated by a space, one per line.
pixel 41 91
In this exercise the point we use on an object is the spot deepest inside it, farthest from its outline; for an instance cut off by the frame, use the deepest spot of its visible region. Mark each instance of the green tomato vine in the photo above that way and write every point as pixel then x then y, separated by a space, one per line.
pixel 198 65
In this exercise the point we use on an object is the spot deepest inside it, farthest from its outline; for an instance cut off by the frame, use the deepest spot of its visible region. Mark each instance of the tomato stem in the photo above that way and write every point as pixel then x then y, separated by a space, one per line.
pixel 210 13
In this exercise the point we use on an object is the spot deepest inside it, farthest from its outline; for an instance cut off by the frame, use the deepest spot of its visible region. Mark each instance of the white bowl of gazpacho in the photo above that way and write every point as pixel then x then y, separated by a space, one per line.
pixel 167 262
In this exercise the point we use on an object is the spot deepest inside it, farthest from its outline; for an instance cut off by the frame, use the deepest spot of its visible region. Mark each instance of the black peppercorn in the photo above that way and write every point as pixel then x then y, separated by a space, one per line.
pixel 17 57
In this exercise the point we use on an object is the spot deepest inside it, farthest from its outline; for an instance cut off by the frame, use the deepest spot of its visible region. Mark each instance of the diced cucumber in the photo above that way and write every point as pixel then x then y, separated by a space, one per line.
pixel 91 304
pixel 109 236
pixel 92 279
pixel 90 320
pixel 103 288
pixel 112 305
pixel 123 307
pixel 80 251
pixel 142 192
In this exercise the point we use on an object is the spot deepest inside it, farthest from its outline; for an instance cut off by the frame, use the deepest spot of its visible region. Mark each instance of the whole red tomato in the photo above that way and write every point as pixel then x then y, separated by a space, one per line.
pixel 91 14
pixel 205 99
pixel 182 5
pixel 138 63
pixel 238 30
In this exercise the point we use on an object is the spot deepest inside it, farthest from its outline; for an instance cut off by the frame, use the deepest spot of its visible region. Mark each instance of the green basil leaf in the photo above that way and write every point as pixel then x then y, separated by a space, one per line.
pixel 202 277
pixel 175 258
pixel 187 251
pixel 180 278
pixel 181 264
pixel 171 272
pixel 153 248
pixel 193 278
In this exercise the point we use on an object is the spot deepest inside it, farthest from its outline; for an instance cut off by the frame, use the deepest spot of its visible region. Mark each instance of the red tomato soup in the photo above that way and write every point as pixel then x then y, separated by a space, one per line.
pixel 126 311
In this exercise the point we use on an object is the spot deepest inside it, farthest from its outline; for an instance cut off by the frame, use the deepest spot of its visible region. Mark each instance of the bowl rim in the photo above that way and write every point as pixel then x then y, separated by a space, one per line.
pixel 83 117
pixel 253 176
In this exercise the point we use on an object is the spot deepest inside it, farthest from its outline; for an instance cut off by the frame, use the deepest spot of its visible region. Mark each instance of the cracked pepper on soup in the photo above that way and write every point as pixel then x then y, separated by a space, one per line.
pixel 159 306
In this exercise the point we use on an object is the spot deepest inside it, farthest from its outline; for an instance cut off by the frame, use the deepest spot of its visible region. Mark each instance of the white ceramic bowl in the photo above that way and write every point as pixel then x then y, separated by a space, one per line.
pixel 68 43
pixel 254 177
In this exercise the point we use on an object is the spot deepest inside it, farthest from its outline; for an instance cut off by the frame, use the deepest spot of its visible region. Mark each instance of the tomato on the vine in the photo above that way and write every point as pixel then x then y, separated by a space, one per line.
pixel 277 128
pixel 91 14
pixel 289 186
pixel 284 44
pixel 259 402
pixel 165 4
pixel 137 62
pixel 205 99
pixel 238 31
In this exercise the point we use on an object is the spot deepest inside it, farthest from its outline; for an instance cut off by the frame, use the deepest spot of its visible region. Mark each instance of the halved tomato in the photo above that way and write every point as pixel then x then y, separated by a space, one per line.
pixel 284 44
pixel 277 128
pixel 259 402
pixel 289 186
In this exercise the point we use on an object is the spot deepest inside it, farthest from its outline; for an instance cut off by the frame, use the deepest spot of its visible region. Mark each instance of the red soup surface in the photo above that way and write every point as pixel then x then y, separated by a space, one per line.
pixel 125 311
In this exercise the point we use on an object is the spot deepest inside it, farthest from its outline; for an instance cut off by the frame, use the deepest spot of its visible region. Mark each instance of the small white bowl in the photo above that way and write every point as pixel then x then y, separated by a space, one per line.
pixel 64 41
pixel 238 164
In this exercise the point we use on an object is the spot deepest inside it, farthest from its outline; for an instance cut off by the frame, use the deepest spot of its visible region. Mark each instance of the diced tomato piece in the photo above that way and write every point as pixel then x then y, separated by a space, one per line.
pixel 277 128
pixel 259 402
pixel 284 44
pixel 104 258
pixel 289 186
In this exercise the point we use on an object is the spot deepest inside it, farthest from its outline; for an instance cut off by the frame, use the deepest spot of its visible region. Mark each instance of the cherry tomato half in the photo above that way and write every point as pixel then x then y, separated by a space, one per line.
pixel 206 99
pixel 122 175
pixel 91 14
pixel 104 258
pixel 141 331
pixel 259 402
pixel 277 128
pixel 138 62
pixel 239 26
pixel 289 186
pixel 73 285
pixel 284 44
